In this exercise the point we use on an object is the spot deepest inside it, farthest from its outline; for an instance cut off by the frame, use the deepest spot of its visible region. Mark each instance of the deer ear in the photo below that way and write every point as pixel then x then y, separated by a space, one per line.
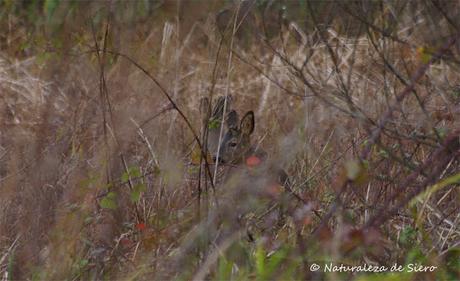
pixel 218 110
pixel 232 120
pixel 204 104
pixel 247 123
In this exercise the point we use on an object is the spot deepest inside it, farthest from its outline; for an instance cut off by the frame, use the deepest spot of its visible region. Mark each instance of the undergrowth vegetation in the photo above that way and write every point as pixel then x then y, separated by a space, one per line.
pixel 106 165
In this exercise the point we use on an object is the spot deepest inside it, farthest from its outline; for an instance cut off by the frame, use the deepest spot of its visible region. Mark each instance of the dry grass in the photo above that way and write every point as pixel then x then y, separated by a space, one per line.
pixel 97 167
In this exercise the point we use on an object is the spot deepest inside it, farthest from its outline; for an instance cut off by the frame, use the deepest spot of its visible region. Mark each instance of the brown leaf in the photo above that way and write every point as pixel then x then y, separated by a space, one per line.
pixel 196 157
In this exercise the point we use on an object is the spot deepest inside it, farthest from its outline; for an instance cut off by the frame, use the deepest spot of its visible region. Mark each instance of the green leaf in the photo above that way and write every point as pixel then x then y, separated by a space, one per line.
pixel 125 177
pixel 260 262
pixel 83 263
pixel 415 255
pixel 43 58
pixel 425 54
pixel 224 271
pixel 442 132
pixel 275 260
pixel 384 153
pixel 452 263
pixel 136 192
pixel 132 172
pixel 214 124
pixel 108 202
pixel 135 196
pixel 407 236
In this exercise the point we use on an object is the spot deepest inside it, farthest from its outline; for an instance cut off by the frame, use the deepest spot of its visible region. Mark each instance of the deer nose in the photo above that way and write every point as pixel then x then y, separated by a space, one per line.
pixel 214 159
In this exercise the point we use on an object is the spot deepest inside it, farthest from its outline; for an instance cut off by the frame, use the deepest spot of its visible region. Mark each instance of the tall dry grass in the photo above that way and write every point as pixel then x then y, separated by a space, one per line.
pixel 100 167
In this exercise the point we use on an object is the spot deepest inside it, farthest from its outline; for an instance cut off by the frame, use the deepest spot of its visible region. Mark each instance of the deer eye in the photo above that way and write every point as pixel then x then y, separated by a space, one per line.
pixel 232 144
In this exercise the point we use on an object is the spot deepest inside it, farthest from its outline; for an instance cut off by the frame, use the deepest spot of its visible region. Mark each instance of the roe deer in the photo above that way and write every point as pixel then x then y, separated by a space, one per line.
pixel 229 145
pixel 212 121
pixel 233 146
pixel 254 169
pixel 245 166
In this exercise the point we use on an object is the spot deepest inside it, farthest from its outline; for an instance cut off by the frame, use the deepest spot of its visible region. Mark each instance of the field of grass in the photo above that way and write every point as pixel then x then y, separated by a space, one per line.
pixel 105 172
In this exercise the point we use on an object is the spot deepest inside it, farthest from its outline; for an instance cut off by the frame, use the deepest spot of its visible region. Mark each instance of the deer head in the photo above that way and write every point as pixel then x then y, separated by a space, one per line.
pixel 235 141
